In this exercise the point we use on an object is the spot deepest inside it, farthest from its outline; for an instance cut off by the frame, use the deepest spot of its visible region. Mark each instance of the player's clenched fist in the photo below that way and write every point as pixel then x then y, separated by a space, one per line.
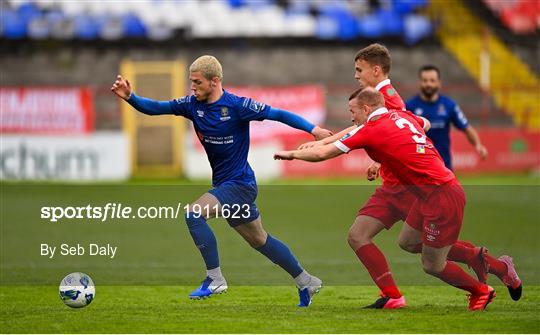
pixel 373 171
pixel 121 87
pixel 320 133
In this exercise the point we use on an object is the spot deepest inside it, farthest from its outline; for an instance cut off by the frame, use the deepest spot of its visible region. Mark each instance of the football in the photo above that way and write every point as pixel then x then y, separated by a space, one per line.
pixel 77 290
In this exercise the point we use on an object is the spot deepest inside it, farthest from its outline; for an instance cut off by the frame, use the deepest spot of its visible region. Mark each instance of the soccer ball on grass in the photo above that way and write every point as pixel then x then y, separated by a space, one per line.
pixel 77 290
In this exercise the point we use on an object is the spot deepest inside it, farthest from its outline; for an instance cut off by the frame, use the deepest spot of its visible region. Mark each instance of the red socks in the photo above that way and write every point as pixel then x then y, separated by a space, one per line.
pixel 375 262
pixel 462 252
pixel 496 267
pixel 455 276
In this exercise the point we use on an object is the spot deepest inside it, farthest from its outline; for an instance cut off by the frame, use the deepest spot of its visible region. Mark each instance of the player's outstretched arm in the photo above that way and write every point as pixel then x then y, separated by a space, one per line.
pixel 327 140
pixel 297 122
pixel 315 154
pixel 122 88
pixel 474 139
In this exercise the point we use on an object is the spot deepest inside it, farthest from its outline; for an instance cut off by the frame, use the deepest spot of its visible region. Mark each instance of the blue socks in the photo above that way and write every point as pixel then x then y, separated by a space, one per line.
pixel 273 249
pixel 204 239
pixel 279 253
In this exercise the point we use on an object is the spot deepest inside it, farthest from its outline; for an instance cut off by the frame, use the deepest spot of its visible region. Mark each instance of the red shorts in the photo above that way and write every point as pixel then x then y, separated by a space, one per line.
pixel 389 204
pixel 440 216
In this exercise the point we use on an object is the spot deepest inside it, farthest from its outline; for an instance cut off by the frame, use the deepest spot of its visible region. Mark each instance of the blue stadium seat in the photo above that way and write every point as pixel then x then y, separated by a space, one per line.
pixel 39 28
pixel 13 26
pixel 236 3
pixel 86 27
pixel 392 22
pixel 346 22
pixel 28 11
pixel 133 26
pixel 348 26
pixel 158 19
pixel 405 7
pixel 327 27
pixel 370 26
pixel 417 27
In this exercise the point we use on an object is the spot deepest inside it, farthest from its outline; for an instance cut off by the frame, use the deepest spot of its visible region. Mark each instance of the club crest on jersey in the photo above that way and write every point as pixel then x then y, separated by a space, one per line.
pixel 390 92
pixel 200 113
pixel 420 148
pixel 224 114
pixel 441 111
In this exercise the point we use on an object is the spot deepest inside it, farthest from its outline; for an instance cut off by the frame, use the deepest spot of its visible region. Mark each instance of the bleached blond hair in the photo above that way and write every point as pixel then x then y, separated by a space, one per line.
pixel 208 66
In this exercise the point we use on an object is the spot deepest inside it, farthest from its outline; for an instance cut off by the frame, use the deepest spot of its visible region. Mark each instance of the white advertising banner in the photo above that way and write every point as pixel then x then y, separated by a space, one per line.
pixel 100 156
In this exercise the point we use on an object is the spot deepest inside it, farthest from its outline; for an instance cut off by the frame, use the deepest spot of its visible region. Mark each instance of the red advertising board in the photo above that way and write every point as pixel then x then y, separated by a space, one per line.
pixel 510 149
pixel 306 101
pixel 46 110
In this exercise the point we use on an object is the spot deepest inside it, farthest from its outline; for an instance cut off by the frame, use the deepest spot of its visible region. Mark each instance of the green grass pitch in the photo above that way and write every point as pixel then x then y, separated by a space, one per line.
pixel 256 309
pixel 145 288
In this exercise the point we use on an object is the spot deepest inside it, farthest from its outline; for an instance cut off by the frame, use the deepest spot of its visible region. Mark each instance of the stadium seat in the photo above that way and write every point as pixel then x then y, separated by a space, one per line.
pixel 133 26
pixel 404 7
pixel 417 27
pixel 28 11
pixel 370 26
pixel 86 27
pixel 392 22
pixel 12 25
pixel 61 26
pixel 159 32
pixel 327 27
pixel 160 19
pixel 111 27
pixel 38 28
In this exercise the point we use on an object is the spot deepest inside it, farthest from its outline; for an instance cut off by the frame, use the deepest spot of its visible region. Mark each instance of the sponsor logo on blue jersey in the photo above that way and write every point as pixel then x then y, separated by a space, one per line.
pixel 256 106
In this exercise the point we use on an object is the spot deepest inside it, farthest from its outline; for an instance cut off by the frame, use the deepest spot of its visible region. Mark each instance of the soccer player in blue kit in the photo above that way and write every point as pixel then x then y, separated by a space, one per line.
pixel 221 121
pixel 440 110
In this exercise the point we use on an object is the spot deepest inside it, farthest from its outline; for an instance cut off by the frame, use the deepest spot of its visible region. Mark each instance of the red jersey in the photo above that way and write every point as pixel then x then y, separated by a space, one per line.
pixel 396 140
pixel 392 101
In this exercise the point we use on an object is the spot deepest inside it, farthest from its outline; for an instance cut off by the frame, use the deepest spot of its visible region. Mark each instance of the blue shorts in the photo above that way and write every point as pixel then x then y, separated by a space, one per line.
pixel 237 202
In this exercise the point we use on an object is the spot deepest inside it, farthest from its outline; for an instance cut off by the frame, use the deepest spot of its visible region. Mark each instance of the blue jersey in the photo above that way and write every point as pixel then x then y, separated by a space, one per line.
pixel 441 114
pixel 223 129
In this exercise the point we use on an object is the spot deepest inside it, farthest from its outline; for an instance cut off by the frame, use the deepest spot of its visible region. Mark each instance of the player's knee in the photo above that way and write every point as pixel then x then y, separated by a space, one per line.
pixel 403 244
pixel 256 241
pixel 408 246
pixel 432 267
pixel 357 238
